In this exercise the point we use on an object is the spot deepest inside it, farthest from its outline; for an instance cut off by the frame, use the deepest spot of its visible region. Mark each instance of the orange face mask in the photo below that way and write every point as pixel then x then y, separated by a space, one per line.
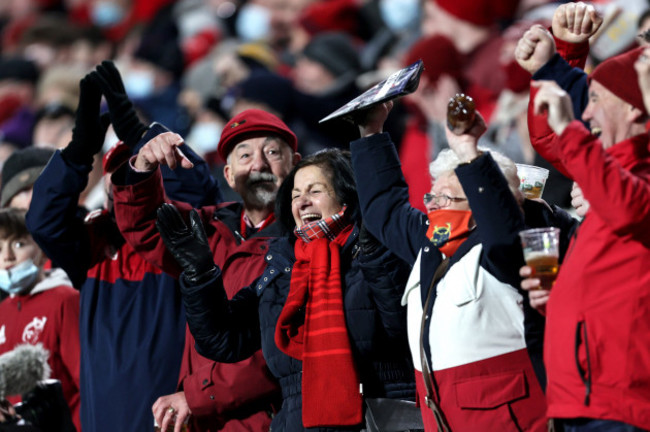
pixel 448 229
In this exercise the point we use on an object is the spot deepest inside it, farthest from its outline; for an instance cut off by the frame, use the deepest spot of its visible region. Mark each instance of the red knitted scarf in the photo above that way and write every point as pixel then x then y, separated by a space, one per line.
pixel 330 382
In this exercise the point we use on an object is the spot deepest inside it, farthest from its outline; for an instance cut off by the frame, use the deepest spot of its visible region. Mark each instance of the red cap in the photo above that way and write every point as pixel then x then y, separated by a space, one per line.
pixel 439 56
pixel 480 12
pixel 115 156
pixel 617 74
pixel 253 123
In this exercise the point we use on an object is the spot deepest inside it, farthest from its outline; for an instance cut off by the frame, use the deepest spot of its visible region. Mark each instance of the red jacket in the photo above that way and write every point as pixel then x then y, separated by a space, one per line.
pixel 597 342
pixel 597 311
pixel 49 314
pixel 229 397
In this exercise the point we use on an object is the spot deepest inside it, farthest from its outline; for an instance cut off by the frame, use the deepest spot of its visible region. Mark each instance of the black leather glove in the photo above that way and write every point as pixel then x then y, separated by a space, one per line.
pixel 188 245
pixel 126 123
pixel 367 242
pixel 89 128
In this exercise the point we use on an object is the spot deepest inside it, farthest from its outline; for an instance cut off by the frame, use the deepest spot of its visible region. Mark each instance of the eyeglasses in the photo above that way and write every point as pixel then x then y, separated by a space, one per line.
pixel 440 200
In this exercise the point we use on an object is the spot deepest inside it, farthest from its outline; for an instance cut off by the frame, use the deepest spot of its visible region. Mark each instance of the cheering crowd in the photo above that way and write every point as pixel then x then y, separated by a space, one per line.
pixel 197 253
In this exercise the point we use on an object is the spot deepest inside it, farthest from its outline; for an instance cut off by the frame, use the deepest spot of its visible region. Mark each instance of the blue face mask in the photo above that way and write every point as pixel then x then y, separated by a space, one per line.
pixel 106 13
pixel 253 22
pixel 139 84
pixel 399 15
pixel 204 136
pixel 20 278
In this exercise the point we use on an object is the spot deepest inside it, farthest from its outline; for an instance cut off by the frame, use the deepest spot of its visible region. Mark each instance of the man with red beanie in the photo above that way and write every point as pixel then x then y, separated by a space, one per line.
pixel 597 342
pixel 259 150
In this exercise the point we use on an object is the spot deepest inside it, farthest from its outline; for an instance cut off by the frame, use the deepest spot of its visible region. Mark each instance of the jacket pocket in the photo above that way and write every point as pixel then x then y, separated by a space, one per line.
pixel 491 391
pixel 499 401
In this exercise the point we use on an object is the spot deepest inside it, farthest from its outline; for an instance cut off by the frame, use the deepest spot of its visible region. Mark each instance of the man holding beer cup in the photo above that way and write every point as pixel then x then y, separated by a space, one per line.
pixel 597 332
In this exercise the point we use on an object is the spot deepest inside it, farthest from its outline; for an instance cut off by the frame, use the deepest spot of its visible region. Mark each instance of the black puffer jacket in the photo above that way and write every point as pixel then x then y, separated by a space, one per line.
pixel 232 330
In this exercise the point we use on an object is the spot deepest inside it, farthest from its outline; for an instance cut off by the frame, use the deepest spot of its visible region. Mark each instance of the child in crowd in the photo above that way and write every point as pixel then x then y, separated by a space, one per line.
pixel 41 305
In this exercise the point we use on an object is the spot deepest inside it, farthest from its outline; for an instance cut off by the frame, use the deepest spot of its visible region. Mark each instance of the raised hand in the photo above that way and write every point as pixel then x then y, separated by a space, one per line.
pixel 578 200
pixel 555 102
pixel 535 48
pixel 162 149
pixel 126 123
pixel 373 121
pixel 89 128
pixel 187 244
pixel 576 22
pixel 465 145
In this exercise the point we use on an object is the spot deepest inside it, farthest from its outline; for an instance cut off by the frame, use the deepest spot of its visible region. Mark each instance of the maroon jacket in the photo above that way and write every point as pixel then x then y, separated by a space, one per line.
pixel 228 397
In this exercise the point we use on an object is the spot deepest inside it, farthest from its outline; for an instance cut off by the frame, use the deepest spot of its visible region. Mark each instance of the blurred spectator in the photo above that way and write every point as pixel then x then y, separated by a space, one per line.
pixel 59 84
pixel 90 47
pixel 18 78
pixel 116 18
pixel 19 174
pixel 152 74
pixel 328 66
pixel 53 126
pixel 47 40
pixel 234 65
pixel 285 35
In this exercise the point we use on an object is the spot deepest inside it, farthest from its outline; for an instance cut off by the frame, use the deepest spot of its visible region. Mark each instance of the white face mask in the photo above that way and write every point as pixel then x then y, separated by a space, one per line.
pixel 253 22
pixel 20 278
pixel 204 136
pixel 139 84
pixel 106 13
pixel 399 15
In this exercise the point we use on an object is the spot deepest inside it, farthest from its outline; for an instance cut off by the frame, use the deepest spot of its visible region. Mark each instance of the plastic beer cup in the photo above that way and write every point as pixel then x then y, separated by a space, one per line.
pixel 541 252
pixel 532 180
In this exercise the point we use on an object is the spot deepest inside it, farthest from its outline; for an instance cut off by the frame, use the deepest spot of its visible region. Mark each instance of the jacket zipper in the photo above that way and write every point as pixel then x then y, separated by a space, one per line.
pixel 585 376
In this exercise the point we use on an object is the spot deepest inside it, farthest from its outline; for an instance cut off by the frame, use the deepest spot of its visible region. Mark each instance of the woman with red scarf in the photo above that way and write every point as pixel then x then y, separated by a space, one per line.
pixel 326 310
pixel 471 333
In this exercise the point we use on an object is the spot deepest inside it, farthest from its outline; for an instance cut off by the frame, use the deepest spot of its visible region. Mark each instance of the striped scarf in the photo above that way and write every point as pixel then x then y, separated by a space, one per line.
pixel 330 382
pixel 324 228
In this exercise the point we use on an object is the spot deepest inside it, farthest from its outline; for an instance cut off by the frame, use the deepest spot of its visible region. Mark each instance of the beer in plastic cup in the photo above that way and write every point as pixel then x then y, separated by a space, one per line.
pixel 531 180
pixel 541 252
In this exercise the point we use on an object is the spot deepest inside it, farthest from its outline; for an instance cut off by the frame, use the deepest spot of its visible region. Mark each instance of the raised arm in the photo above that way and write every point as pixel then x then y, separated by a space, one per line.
pixel 383 193
pixel 54 218
pixel 498 217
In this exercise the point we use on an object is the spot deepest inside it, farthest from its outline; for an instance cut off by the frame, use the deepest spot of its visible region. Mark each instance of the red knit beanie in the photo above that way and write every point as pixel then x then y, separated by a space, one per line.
pixel 253 123
pixel 331 15
pixel 439 56
pixel 617 75
pixel 480 12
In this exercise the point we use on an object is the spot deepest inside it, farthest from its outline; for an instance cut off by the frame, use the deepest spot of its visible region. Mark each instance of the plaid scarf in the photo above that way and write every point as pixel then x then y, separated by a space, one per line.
pixel 330 381
pixel 324 228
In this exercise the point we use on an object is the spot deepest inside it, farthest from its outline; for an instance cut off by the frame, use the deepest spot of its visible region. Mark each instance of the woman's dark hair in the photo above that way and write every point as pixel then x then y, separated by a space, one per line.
pixel 337 166
pixel 12 223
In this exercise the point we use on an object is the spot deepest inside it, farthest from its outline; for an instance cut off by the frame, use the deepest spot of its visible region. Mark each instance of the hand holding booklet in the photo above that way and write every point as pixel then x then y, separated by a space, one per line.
pixel 400 83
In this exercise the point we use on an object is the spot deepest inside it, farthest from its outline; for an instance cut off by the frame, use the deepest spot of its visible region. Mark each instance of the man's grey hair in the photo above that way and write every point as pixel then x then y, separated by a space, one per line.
pixel 447 161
